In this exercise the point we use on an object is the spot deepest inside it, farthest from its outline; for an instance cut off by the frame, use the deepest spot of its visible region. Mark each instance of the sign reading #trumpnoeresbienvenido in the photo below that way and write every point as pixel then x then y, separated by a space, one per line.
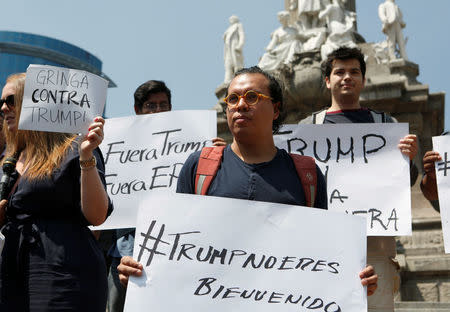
pixel 366 173
pixel 60 99
pixel 220 254
pixel 145 153
pixel 441 144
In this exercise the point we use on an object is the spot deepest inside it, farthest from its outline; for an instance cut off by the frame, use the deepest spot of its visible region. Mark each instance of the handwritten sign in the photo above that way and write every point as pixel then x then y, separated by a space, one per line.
pixel 441 144
pixel 145 153
pixel 59 99
pixel 219 254
pixel 365 171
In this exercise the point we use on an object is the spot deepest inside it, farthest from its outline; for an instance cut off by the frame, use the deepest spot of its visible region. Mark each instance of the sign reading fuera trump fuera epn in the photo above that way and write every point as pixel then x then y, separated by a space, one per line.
pixel 441 145
pixel 365 171
pixel 205 253
pixel 60 99
pixel 145 153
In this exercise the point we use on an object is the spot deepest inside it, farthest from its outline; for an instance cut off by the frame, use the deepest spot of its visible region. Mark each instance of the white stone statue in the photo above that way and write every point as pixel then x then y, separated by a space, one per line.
pixel 308 13
pixel 284 44
pixel 234 39
pixel 392 20
pixel 340 24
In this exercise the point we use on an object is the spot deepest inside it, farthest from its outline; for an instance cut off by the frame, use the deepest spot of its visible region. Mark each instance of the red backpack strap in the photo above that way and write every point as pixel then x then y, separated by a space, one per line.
pixel 306 171
pixel 207 167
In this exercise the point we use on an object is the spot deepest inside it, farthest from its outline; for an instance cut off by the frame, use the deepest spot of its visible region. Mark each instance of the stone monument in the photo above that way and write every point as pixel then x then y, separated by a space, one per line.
pixel 391 86
pixel 284 45
pixel 234 39
pixel 392 19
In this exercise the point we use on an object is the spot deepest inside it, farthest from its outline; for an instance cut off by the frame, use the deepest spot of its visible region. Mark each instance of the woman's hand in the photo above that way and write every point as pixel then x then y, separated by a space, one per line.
pixel 93 139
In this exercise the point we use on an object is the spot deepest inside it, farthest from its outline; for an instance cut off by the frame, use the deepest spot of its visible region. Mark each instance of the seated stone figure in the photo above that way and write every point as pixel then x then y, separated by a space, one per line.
pixel 340 26
pixel 285 43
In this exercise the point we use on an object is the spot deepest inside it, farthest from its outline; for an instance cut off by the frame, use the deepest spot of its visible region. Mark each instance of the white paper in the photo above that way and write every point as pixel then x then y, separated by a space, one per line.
pixel 441 144
pixel 371 180
pixel 145 153
pixel 330 248
pixel 60 99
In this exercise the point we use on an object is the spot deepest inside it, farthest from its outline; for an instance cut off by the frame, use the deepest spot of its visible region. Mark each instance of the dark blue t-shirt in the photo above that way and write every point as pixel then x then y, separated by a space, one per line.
pixel 274 181
pixel 361 115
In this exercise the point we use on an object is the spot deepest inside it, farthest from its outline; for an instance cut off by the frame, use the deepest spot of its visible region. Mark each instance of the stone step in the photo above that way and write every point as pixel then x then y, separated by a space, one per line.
pixel 422 306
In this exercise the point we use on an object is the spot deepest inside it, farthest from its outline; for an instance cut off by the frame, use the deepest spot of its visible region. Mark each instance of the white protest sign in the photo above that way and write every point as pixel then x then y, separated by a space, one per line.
pixel 441 144
pixel 220 254
pixel 146 152
pixel 60 99
pixel 365 171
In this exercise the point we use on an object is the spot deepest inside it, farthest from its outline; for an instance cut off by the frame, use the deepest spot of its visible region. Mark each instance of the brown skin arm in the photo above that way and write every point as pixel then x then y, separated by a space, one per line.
pixel 428 183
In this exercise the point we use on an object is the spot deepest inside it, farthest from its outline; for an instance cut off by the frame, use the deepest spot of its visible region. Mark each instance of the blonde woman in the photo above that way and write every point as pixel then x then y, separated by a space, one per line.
pixel 51 261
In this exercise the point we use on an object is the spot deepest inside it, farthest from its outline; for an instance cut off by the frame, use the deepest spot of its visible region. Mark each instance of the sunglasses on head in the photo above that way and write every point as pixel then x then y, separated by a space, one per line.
pixel 9 101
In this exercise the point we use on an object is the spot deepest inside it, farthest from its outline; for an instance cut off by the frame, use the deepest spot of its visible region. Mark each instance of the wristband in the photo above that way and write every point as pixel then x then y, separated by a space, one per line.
pixel 89 163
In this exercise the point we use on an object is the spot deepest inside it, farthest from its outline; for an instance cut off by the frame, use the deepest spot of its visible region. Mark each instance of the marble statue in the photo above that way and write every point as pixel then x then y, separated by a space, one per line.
pixel 234 39
pixel 284 44
pixel 340 23
pixel 392 20
pixel 308 13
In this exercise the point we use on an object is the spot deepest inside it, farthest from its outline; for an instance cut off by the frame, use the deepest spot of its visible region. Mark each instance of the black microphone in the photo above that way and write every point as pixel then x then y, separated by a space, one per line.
pixel 9 165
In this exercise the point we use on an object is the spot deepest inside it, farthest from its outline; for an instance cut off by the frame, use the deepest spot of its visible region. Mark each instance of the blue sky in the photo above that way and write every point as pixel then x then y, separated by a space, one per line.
pixel 180 41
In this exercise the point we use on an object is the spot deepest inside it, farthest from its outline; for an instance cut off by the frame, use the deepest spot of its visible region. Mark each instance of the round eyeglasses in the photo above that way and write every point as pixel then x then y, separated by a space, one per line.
pixel 250 97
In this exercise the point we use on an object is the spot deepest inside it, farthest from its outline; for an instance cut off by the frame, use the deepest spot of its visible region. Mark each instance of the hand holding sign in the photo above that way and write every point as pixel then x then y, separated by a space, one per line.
pixel 93 139
pixel 408 146
pixel 128 267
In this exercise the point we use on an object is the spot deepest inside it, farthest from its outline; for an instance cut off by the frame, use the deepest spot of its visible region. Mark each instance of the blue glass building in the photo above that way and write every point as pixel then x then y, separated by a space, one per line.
pixel 18 50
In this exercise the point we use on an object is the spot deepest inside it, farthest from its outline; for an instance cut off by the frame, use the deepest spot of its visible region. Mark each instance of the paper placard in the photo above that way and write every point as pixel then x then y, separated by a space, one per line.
pixel 366 173
pixel 219 254
pixel 60 99
pixel 441 144
pixel 145 153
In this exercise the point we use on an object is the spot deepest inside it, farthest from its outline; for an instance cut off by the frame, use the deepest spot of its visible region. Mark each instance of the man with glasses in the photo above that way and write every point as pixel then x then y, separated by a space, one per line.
pixel 251 167
pixel 152 97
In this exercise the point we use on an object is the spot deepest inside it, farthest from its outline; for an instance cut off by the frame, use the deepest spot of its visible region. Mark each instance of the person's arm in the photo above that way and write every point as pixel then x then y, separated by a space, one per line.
pixel 94 200
pixel 128 266
pixel 186 178
pixel 369 279
pixel 428 183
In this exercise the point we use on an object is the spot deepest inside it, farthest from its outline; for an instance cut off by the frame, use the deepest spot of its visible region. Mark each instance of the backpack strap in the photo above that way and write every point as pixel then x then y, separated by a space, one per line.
pixel 378 117
pixel 306 171
pixel 207 167
pixel 319 117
